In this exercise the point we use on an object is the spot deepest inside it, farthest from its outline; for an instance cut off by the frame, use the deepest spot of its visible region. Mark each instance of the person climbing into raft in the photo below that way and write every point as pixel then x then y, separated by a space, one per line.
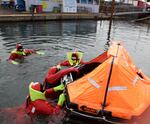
pixel 37 103
pixel 74 59
pixel 19 53
pixel 55 74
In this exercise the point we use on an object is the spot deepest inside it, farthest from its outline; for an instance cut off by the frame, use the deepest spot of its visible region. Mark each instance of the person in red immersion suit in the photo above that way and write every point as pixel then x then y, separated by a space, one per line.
pixel 37 102
pixel 20 52
pixel 74 59
pixel 54 75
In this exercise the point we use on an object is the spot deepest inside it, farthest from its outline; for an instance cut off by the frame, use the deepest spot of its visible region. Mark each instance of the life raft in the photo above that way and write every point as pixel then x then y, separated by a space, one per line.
pixel 116 88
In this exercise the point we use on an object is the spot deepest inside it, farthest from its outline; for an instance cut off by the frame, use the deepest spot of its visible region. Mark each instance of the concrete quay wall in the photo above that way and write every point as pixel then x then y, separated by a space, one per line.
pixel 49 16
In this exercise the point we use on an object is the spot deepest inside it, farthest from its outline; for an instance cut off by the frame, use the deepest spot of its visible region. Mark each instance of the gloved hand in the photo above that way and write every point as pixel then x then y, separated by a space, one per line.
pixel 59 88
pixel 24 53
pixel 48 92
pixel 58 67
pixel 61 99
pixel 57 109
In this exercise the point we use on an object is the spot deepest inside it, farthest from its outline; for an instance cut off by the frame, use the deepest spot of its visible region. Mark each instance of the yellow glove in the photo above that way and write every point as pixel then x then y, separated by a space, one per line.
pixel 24 52
pixel 59 88
pixel 61 100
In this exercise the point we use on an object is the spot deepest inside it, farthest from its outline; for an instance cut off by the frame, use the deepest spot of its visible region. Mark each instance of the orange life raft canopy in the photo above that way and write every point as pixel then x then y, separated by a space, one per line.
pixel 116 86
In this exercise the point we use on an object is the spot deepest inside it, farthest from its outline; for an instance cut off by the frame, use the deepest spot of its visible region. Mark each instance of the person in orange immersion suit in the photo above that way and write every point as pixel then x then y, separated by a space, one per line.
pixel 19 53
pixel 54 74
pixel 74 59
pixel 37 103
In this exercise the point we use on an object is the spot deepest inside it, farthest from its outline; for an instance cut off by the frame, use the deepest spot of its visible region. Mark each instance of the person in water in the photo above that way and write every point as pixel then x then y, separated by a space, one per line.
pixel 37 103
pixel 20 52
pixel 55 74
pixel 74 59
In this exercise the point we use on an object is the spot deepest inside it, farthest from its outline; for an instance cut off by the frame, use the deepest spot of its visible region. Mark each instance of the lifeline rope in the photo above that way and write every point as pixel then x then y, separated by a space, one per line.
pixel 101 118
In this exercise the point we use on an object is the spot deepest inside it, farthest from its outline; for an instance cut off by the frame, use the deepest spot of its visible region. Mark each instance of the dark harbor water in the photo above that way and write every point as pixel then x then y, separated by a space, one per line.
pixel 55 39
